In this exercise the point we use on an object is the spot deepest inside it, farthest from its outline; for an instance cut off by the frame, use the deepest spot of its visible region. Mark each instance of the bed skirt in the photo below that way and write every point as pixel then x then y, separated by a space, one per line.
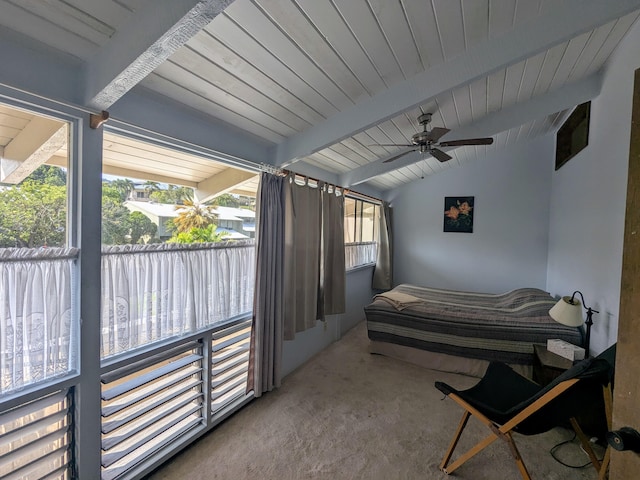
pixel 443 362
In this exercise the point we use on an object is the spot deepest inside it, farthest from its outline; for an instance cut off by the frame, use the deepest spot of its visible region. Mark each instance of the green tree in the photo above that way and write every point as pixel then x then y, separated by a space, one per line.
pixel 172 195
pixel 140 226
pixel 115 220
pixel 163 196
pixel 226 200
pixel 110 191
pixel 150 186
pixel 33 214
pixel 207 234
pixel 124 186
pixel 183 194
pixel 50 175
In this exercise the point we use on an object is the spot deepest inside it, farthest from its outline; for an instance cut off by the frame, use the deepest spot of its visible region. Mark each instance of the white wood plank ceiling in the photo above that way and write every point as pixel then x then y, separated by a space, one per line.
pixel 325 81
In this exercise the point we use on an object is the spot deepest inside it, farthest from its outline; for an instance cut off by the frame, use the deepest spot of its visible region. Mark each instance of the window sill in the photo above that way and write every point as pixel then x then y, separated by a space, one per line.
pixel 360 267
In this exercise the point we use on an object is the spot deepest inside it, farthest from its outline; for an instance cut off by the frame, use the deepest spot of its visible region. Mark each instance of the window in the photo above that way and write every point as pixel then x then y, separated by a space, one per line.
pixel 171 264
pixel 175 316
pixel 361 224
pixel 37 438
pixel 39 318
pixel 177 294
pixel 37 314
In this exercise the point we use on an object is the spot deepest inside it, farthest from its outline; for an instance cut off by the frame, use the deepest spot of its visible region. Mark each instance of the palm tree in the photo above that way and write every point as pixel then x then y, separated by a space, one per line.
pixel 193 215
pixel 151 186
pixel 183 194
pixel 125 186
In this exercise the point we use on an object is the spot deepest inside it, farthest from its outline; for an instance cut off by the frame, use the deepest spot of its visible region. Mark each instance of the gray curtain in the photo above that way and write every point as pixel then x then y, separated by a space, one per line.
pixel 266 335
pixel 303 210
pixel 300 269
pixel 332 269
pixel 383 271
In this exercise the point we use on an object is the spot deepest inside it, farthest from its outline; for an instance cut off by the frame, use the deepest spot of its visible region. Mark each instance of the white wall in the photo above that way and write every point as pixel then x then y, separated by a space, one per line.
pixel 312 341
pixel 588 201
pixel 508 246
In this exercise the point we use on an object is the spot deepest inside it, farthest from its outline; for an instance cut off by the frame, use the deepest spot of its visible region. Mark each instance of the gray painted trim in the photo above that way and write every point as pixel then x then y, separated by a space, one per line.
pixel 147 40
pixel 144 112
pixel 89 225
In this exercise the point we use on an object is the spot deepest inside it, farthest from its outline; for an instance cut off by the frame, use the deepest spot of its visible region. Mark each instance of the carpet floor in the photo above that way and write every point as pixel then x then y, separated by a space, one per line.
pixel 347 414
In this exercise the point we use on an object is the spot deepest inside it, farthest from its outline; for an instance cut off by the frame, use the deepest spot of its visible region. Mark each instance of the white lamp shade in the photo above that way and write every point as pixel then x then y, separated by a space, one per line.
pixel 567 313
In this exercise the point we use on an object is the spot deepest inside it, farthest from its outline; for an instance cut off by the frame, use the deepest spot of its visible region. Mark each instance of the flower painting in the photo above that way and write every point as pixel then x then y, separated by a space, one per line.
pixel 458 214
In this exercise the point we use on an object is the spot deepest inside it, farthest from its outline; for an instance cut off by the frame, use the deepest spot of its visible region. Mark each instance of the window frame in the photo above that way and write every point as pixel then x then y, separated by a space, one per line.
pixel 358 230
pixel 69 381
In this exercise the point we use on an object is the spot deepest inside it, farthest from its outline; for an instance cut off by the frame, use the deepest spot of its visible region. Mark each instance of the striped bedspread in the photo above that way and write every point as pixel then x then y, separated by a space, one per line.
pixel 500 327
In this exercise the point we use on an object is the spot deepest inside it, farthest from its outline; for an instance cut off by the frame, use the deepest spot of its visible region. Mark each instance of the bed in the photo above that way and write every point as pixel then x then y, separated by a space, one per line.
pixel 462 332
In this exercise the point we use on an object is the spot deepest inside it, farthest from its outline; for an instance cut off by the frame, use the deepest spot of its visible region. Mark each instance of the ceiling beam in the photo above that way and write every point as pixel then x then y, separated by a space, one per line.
pixel 137 174
pixel 540 106
pixel 38 141
pixel 560 22
pixel 220 183
pixel 150 36
pixel 59 161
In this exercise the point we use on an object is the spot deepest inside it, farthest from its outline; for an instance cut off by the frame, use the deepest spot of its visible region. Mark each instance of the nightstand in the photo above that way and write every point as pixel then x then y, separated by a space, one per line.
pixel 548 365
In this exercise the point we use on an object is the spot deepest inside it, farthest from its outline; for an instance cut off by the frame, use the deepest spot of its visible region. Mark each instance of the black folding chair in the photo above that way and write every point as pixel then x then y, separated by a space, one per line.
pixel 507 402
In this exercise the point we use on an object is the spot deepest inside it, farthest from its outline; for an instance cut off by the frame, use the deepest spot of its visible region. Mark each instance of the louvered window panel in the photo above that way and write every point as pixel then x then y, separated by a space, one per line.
pixel 148 404
pixel 229 364
pixel 36 439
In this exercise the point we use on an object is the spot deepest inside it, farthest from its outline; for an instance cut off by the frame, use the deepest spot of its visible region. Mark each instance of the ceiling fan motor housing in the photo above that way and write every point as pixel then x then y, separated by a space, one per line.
pixel 424 119
pixel 422 138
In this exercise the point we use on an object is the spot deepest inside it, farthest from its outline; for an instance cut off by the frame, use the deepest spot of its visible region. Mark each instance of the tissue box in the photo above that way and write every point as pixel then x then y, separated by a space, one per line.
pixel 565 349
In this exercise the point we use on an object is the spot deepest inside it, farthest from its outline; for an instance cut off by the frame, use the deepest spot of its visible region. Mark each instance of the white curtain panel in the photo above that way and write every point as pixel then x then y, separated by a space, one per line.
pixel 383 271
pixel 37 335
pixel 359 254
pixel 154 292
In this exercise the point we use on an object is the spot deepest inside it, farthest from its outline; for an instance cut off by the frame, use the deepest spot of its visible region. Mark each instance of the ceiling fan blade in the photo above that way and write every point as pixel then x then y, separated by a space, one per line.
pixel 399 155
pixel 437 132
pixel 467 141
pixel 440 155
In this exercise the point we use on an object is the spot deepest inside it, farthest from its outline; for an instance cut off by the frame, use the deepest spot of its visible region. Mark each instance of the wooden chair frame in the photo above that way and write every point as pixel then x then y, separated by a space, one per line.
pixel 503 432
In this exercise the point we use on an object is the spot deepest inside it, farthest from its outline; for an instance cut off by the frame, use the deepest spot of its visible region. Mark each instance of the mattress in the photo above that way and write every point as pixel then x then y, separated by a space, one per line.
pixel 492 327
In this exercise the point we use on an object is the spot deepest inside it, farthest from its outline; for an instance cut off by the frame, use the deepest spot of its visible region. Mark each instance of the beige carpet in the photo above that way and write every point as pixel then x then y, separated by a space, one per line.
pixel 347 414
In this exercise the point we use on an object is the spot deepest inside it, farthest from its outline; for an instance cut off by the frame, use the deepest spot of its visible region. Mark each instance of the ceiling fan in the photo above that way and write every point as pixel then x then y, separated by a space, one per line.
pixel 426 141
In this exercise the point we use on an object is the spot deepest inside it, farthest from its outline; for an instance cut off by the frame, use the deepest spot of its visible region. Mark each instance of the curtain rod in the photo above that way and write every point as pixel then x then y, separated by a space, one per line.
pixel 346 191
pixel 362 196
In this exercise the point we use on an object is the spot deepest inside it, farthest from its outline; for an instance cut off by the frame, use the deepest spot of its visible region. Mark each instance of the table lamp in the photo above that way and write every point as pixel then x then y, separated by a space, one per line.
pixel 568 312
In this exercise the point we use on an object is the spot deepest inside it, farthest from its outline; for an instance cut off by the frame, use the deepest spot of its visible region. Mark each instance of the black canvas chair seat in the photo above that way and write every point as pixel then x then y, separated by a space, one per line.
pixel 507 402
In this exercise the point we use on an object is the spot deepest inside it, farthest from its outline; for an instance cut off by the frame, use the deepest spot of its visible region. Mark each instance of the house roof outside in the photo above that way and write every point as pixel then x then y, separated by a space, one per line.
pixel 157 211
pixel 231 234
pixel 169 210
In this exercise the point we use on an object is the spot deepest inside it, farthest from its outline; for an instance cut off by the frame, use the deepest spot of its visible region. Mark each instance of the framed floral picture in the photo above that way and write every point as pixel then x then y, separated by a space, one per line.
pixel 458 214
